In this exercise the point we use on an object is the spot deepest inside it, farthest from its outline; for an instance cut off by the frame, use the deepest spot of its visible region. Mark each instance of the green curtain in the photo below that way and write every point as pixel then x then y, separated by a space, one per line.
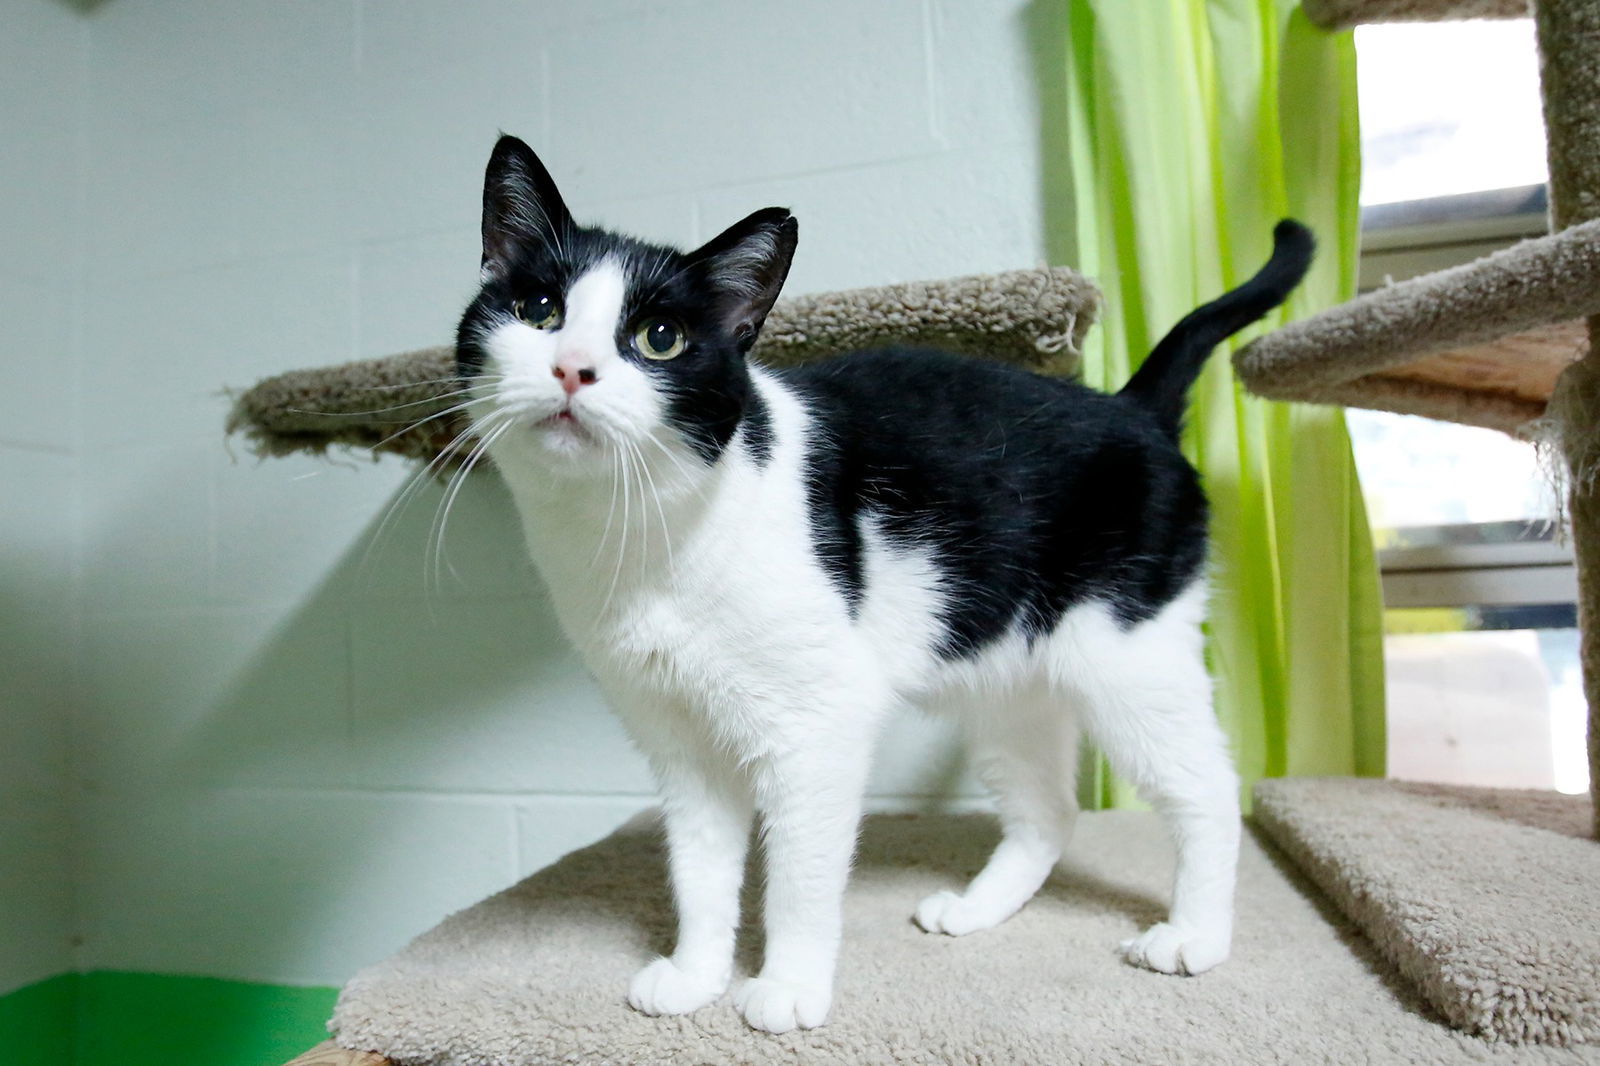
pixel 1191 127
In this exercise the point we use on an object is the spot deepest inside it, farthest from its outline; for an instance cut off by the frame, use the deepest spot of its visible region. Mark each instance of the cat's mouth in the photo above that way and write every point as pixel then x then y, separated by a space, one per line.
pixel 567 423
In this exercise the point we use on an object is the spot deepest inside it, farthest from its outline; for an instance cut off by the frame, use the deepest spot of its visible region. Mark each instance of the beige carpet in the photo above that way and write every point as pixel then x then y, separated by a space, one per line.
pixel 1488 900
pixel 537 973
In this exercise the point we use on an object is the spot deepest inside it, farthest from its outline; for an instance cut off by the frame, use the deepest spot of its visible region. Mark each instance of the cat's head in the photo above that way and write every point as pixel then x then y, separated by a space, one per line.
pixel 583 343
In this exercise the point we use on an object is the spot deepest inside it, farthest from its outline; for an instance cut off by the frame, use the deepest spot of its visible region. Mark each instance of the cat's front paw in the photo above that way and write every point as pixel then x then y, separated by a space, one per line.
pixel 1176 949
pixel 775 1006
pixel 663 988
pixel 954 914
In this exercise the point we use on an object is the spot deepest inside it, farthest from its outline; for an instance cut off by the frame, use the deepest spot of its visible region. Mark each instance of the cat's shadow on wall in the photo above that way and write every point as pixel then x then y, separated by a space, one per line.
pixel 400 675
pixel 455 677
pixel 423 658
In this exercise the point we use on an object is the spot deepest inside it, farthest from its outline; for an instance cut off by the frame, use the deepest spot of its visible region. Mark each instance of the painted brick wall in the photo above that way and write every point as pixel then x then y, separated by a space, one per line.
pixel 43 48
pixel 300 742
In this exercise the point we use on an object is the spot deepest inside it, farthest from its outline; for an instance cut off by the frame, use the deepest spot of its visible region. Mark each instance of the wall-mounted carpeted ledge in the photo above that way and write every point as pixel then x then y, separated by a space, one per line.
pixel 402 403
pixel 1481 343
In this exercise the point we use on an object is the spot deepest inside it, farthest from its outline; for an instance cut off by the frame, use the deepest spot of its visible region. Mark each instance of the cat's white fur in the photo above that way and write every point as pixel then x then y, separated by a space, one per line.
pixel 695 597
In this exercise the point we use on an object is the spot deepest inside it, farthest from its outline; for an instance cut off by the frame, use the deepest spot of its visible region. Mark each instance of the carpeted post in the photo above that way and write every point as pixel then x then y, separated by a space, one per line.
pixel 1569 70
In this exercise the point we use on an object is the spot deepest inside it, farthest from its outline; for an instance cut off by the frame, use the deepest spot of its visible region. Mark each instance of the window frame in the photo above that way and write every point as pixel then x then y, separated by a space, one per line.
pixel 1400 241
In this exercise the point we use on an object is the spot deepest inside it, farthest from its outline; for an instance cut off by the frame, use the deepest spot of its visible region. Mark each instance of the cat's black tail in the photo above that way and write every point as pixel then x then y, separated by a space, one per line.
pixel 1162 382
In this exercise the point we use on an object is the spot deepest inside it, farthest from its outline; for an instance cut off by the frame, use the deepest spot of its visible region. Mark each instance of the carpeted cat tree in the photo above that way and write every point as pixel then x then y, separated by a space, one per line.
pixel 1510 341
pixel 1482 901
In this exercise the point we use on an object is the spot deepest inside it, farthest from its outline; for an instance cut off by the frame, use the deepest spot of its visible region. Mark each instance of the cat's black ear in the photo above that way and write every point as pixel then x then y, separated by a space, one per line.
pixel 520 204
pixel 746 264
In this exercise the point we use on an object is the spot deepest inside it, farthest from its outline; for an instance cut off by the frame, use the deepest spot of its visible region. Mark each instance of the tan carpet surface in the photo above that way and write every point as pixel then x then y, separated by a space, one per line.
pixel 1488 900
pixel 536 974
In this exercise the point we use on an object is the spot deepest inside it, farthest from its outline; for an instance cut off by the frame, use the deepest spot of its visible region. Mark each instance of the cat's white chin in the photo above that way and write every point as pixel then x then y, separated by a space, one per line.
pixel 564 435
pixel 565 450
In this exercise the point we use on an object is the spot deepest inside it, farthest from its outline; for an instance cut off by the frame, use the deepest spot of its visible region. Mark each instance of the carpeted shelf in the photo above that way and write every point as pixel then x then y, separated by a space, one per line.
pixel 1482 343
pixel 1487 900
pixel 536 974
pixel 402 404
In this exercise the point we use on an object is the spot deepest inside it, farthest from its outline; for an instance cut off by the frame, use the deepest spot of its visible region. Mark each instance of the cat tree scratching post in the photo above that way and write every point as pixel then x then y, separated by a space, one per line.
pixel 1511 341
pixel 1569 72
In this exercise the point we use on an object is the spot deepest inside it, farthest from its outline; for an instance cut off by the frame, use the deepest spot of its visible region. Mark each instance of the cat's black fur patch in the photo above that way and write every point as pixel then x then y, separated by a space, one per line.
pixel 1031 494
pixel 757 429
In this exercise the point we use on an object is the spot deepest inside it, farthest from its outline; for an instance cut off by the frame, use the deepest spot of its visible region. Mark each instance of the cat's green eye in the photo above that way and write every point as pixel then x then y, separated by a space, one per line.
pixel 660 338
pixel 540 312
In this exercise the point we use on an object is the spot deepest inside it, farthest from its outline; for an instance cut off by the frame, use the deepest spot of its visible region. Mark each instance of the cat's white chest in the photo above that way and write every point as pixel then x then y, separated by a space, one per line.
pixel 671 615
pixel 654 639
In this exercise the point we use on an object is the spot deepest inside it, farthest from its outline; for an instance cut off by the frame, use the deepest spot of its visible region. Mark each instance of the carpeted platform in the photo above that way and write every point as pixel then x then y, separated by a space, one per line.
pixel 408 404
pixel 1473 344
pixel 1488 900
pixel 536 974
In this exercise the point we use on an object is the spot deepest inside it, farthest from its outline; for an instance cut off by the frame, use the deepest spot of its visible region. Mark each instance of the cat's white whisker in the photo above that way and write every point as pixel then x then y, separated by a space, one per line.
pixel 454 379
pixel 453 490
pixel 668 280
pixel 413 486
pixel 381 410
pixel 687 478
pixel 636 480
pixel 622 536
pixel 662 505
pixel 611 511
pixel 451 410
pixel 655 494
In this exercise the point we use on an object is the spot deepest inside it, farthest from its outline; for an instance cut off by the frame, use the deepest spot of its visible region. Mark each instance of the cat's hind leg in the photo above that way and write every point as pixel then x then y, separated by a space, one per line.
pixel 1147 706
pixel 1026 753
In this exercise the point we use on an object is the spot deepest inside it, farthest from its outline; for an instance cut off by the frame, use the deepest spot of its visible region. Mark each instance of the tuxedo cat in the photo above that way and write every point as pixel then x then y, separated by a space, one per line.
pixel 760 565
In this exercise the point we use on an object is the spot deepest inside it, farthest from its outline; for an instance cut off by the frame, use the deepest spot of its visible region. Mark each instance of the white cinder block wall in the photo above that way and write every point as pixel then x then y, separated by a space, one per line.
pixel 300 745
pixel 43 49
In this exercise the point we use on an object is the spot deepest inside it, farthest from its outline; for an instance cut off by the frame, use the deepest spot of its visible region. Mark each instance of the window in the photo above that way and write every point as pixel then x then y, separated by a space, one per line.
pixel 1448 108
pixel 1481 646
pixel 1482 655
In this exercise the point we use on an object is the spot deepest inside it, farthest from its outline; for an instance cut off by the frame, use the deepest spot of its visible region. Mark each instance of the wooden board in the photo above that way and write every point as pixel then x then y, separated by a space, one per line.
pixel 328 1053
pixel 1523 366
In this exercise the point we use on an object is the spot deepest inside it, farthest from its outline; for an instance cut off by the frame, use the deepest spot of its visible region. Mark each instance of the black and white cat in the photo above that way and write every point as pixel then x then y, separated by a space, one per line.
pixel 760 565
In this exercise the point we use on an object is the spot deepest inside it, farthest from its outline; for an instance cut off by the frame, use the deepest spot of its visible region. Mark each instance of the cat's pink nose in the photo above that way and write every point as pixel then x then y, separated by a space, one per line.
pixel 574 374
